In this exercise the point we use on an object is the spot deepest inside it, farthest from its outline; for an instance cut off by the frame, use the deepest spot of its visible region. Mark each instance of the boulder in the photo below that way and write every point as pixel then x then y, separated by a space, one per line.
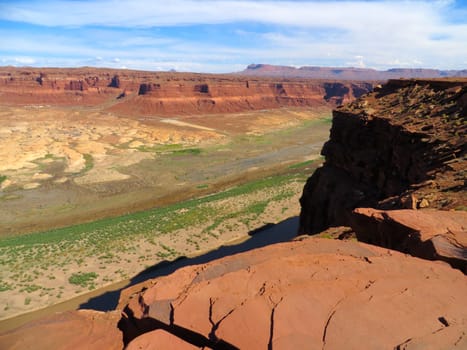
pixel 428 234
pixel 309 293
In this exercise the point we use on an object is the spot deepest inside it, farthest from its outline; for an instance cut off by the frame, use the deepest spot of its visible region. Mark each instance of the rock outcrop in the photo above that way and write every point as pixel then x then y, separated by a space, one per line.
pixel 310 293
pixel 402 146
pixel 138 93
pixel 313 293
pixel 84 329
pixel 429 234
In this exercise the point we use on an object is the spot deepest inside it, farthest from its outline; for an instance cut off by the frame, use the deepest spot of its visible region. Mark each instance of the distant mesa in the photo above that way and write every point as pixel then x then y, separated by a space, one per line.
pixel 347 73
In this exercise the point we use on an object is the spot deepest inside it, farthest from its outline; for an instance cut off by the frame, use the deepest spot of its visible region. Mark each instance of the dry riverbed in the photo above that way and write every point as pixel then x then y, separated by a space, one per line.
pixel 60 166
pixel 46 268
pixel 209 179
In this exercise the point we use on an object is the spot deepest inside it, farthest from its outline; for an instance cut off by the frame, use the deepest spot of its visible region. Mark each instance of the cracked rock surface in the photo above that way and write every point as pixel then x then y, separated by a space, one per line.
pixel 313 293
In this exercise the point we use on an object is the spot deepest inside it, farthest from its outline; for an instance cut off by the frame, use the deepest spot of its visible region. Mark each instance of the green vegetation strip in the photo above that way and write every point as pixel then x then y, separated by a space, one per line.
pixel 175 149
pixel 88 162
pixel 301 164
pixel 161 220
pixel 31 259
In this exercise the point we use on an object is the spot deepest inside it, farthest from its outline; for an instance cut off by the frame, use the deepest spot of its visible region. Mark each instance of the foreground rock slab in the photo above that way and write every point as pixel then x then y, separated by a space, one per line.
pixel 428 234
pixel 84 329
pixel 311 293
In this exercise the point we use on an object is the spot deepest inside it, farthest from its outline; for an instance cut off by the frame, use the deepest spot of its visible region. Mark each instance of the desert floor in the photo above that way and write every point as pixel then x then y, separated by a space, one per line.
pixel 208 179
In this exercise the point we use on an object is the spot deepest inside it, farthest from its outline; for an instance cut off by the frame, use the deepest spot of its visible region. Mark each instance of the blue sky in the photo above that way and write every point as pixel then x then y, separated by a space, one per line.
pixel 226 35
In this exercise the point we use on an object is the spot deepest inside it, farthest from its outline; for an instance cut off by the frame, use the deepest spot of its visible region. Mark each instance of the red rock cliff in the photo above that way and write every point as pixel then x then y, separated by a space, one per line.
pixel 402 146
pixel 163 93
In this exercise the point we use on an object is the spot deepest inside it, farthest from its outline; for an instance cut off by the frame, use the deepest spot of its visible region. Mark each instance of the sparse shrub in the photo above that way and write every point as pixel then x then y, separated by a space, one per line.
pixel 82 279
pixel 30 288
pixel 187 151
pixel 5 286
pixel 89 162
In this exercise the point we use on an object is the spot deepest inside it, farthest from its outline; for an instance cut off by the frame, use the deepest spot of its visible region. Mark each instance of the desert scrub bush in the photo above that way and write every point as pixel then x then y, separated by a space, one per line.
pixel 30 288
pixel 2 178
pixel 83 279
pixel 187 151
pixel 88 162
pixel 166 251
pixel 5 286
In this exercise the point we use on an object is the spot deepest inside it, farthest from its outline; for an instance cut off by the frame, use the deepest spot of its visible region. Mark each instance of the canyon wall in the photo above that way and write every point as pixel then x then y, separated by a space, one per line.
pixel 137 93
pixel 395 171
pixel 402 146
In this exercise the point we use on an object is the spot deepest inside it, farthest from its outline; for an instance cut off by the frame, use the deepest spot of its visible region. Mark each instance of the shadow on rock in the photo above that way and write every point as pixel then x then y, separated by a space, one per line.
pixel 263 236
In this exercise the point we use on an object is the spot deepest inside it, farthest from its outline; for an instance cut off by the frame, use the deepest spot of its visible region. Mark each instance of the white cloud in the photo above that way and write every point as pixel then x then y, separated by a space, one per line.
pixel 358 62
pixel 149 13
pixel 24 60
pixel 378 34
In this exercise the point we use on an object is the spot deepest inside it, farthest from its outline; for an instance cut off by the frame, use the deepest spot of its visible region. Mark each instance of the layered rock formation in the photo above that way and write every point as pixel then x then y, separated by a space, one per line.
pixel 138 93
pixel 402 146
pixel 312 293
pixel 347 73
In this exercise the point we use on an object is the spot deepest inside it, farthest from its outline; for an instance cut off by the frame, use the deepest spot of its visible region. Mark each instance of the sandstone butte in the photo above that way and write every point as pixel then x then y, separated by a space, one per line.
pixel 395 173
pixel 138 93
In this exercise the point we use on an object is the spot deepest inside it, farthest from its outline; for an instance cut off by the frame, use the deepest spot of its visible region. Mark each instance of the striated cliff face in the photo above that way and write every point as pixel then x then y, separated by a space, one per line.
pixel 136 93
pixel 402 146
